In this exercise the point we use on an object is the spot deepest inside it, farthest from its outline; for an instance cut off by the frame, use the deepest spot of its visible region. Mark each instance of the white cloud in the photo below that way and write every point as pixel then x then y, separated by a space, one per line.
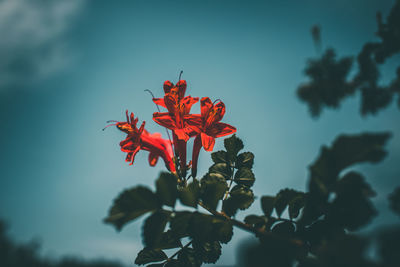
pixel 32 41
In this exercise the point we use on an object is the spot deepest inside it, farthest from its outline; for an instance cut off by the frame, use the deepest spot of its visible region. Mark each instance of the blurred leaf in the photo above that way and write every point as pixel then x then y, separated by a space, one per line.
pixel 255 220
pixel 187 257
pixel 147 255
pixel 222 169
pixel 394 200
pixel 166 186
pixel 296 204
pixel 131 204
pixel 388 246
pixel 233 145
pixel 220 157
pixel 283 198
pixel 241 197
pixel 267 204
pixel 245 159
pixel 213 190
pixel 285 229
pixel 153 228
pixel 209 252
pixel 173 263
pixel 180 224
pixel 244 176
pixel 189 195
pixel 168 241
pixel 206 228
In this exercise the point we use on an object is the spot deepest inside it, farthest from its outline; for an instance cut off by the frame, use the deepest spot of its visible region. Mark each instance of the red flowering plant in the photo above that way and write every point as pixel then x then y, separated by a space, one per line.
pixel 193 234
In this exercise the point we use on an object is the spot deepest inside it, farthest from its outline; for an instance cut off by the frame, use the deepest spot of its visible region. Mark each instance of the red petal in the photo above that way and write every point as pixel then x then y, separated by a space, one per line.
pixel 170 103
pixel 220 129
pixel 181 88
pixel 207 141
pixel 188 102
pixel 153 158
pixel 164 119
pixel 160 102
pixel 181 134
pixel 205 104
pixel 167 86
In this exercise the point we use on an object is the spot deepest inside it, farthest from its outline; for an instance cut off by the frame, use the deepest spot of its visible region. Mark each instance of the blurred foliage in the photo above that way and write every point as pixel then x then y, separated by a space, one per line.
pixel 28 255
pixel 329 77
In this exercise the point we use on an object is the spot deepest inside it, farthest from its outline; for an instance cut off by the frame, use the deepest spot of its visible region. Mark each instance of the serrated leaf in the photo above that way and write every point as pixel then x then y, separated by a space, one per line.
pixel 153 228
pixel 223 230
pixel 147 255
pixel 222 169
pixel 240 197
pixel 166 188
pixel 213 189
pixel 233 145
pixel 201 227
pixel 180 224
pixel 267 205
pixel 244 176
pixel 245 159
pixel 209 252
pixel 131 204
pixel 296 204
pixel 394 199
pixel 189 195
pixel 220 157
pixel 187 257
pixel 168 241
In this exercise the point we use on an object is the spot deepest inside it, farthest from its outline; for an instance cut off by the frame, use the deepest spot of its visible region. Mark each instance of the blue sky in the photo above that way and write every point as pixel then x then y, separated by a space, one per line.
pixel 68 67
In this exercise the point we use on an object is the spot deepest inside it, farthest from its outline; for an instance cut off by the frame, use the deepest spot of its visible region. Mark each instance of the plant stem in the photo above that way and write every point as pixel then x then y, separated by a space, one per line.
pixel 176 253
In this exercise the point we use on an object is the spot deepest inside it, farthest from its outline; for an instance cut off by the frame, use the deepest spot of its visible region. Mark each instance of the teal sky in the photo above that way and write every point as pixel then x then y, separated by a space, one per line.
pixel 68 68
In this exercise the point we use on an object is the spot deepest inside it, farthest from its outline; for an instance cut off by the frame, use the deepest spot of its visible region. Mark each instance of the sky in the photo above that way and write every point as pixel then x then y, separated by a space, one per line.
pixel 67 67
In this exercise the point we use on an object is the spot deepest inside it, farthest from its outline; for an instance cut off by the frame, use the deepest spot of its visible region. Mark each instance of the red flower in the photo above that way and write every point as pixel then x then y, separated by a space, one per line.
pixel 140 139
pixel 208 128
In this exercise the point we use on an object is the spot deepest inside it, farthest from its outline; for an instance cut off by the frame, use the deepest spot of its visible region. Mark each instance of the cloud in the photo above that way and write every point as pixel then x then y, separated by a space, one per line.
pixel 32 39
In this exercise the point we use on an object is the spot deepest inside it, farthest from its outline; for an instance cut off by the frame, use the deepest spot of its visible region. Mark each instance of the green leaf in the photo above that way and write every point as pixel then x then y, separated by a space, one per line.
pixel 180 224
pixel 222 169
pixel 267 204
pixel 187 257
pixel 131 204
pixel 283 198
pixel 166 186
pixel 223 230
pixel 244 176
pixel 153 228
pixel 201 227
pixel 220 157
pixel 147 255
pixel 209 252
pixel 213 190
pixel 285 229
pixel 394 200
pixel 245 159
pixel 233 145
pixel 189 195
pixel 241 197
pixel 168 240
pixel 296 204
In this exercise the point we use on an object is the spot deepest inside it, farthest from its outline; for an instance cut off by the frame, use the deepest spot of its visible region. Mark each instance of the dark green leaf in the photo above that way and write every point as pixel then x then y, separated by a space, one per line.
pixel 283 198
pixel 209 252
pixel 244 176
pixel 245 159
pixel 267 204
pixel 223 230
pixel 213 190
pixel 173 263
pixel 394 200
pixel 220 157
pixel 187 257
pixel 201 227
pixel 222 169
pixel 166 188
pixel 131 204
pixel 168 240
pixel 241 197
pixel 153 228
pixel 180 224
pixel 233 145
pixel 147 255
pixel 296 204
pixel 285 229
pixel 156 265
pixel 189 195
